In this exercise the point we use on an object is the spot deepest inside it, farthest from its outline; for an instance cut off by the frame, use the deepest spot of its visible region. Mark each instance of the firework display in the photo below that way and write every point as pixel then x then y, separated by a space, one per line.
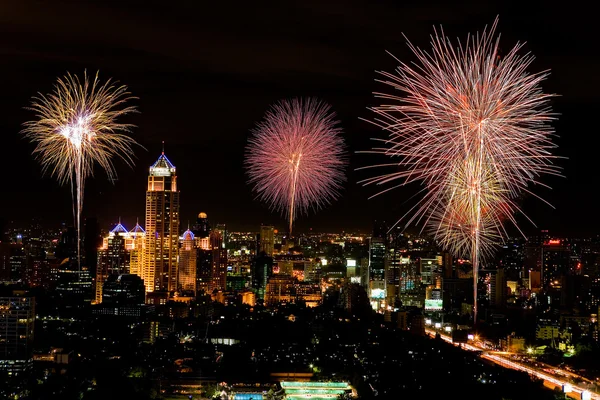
pixel 295 157
pixel 473 127
pixel 76 127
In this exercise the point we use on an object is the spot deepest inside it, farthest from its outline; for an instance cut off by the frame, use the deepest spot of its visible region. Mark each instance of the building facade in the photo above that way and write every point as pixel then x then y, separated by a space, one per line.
pixel 120 254
pixel 218 274
pixel 161 244
pixel 17 317
pixel 187 263
pixel 267 240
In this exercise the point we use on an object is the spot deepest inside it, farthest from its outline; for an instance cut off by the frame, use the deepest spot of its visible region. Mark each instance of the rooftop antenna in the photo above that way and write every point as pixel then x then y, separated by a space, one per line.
pixel 163 147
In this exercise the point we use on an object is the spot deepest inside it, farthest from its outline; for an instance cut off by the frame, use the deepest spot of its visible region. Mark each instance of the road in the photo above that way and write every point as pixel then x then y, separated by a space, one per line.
pixel 499 359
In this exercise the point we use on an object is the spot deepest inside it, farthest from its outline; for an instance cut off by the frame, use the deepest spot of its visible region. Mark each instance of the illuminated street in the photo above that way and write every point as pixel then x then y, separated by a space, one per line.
pixel 500 359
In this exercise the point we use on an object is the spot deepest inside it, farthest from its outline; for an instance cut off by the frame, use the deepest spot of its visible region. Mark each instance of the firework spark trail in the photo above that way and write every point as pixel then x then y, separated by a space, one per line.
pixel 474 129
pixel 75 127
pixel 295 157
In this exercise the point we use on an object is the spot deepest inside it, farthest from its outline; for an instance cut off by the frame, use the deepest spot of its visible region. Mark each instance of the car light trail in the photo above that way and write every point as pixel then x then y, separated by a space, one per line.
pixel 515 365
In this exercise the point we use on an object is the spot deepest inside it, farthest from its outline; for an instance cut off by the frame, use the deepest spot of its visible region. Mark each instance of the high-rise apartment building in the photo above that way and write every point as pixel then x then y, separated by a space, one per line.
pixel 267 240
pixel 556 260
pixel 161 244
pixel 376 275
pixel 218 274
pixel 498 288
pixel 376 259
pixel 17 317
pixel 431 270
pixel 203 270
pixel 187 263
pixel 262 270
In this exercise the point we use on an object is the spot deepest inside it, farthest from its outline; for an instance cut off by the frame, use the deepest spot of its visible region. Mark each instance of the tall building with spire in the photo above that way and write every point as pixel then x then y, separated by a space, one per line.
pixel 159 263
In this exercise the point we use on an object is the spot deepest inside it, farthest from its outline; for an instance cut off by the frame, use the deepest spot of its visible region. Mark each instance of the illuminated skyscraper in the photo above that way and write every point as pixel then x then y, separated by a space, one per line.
pixel 376 274
pixel 137 235
pixel 187 263
pixel 161 244
pixel 267 240
pixel 113 258
pixel 119 254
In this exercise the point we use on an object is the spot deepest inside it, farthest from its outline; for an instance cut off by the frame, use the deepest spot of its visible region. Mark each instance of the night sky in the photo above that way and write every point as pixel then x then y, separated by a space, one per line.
pixel 205 74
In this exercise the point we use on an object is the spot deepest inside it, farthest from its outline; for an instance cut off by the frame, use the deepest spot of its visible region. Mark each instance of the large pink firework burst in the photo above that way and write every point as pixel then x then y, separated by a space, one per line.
pixel 473 127
pixel 295 157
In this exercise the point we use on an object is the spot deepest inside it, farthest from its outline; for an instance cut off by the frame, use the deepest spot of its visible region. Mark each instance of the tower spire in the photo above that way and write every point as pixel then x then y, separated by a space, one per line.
pixel 163 147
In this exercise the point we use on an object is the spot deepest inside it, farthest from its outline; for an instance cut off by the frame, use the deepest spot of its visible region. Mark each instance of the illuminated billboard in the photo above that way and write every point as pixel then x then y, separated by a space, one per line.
pixel 350 263
pixel 323 262
pixel 355 279
pixel 378 293
pixel 433 305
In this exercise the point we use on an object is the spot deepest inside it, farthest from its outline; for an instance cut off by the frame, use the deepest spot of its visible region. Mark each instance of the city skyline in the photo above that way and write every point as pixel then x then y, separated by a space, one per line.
pixel 298 199
pixel 200 133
